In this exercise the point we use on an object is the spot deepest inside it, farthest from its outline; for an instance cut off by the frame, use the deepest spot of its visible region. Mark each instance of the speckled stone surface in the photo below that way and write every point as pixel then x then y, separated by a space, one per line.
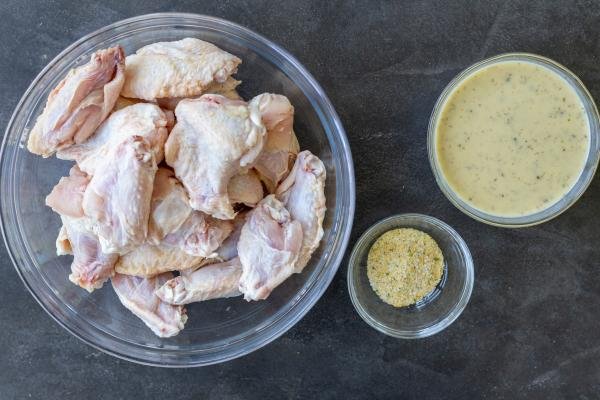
pixel 532 328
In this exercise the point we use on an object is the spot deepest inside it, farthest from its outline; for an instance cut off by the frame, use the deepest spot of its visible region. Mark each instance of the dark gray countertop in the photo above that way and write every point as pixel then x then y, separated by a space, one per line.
pixel 531 329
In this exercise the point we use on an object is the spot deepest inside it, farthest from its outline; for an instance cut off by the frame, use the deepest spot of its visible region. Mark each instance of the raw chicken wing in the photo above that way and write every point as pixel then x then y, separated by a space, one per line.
pixel 137 295
pixel 281 146
pixel 117 199
pixel 79 104
pixel 268 248
pixel 183 68
pixel 91 266
pixel 150 260
pixel 142 119
pixel 303 193
pixel 213 281
pixel 214 139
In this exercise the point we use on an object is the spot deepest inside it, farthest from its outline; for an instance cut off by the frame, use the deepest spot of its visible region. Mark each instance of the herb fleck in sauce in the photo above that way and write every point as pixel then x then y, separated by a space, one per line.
pixel 512 139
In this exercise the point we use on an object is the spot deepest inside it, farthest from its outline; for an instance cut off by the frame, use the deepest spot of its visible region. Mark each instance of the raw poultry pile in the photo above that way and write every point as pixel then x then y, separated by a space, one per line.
pixel 181 191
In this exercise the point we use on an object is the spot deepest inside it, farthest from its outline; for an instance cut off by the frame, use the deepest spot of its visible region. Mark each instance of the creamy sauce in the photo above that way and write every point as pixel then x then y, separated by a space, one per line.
pixel 512 138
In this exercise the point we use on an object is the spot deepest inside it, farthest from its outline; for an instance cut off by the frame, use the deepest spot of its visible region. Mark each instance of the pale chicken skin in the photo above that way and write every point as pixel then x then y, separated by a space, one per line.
pixel 228 248
pixel 117 199
pixel 149 260
pixel 268 248
pixel 281 146
pixel 214 139
pixel 174 223
pixel 226 89
pixel 91 266
pixel 142 119
pixel 66 197
pixel 183 68
pixel 169 207
pixel 213 281
pixel 63 246
pixel 303 193
pixel 191 245
pixel 137 295
pixel 179 238
pixel 200 235
pixel 79 104
pixel 245 188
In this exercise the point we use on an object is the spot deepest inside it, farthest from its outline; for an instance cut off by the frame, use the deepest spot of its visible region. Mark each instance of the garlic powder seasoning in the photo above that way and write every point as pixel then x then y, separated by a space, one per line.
pixel 404 265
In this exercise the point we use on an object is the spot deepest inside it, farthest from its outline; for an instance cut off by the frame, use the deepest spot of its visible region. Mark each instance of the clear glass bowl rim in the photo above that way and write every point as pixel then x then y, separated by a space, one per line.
pixel 358 252
pixel 554 210
pixel 308 298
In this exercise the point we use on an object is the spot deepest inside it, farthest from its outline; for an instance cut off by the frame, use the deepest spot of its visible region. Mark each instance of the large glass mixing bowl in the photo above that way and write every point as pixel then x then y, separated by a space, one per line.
pixel 217 330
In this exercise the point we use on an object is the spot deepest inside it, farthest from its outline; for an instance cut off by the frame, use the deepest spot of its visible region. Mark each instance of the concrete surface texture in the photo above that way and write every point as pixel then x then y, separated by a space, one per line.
pixel 531 329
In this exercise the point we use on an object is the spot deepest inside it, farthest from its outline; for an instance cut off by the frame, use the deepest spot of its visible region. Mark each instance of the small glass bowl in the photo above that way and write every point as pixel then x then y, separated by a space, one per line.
pixel 434 312
pixel 580 185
